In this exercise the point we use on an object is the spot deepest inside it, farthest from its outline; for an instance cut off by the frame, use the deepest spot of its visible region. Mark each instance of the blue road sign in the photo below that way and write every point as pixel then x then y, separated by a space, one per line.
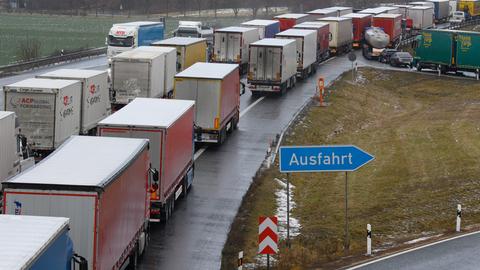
pixel 337 158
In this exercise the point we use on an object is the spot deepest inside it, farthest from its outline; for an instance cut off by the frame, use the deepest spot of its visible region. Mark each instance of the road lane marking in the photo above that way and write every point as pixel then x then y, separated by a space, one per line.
pixel 242 113
pixel 411 250
pixel 199 153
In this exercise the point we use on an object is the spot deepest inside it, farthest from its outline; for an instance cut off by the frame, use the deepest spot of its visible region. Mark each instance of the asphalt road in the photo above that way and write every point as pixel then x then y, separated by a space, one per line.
pixel 459 254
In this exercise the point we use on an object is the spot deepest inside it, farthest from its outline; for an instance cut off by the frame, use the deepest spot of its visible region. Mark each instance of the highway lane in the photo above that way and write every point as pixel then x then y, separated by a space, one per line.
pixel 459 253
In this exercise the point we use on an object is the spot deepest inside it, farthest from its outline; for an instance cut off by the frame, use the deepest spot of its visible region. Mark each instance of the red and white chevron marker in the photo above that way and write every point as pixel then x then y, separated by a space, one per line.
pixel 267 235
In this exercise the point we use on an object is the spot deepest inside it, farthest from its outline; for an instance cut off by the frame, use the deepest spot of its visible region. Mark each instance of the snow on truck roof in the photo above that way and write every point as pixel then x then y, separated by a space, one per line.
pixel 296 33
pixel 139 23
pixel 149 112
pixel 235 29
pixel 357 15
pixel 260 22
pixel 138 53
pixel 4 114
pixel 25 237
pixel 334 19
pixel 74 73
pixel 311 25
pixel 83 161
pixel 275 42
pixel 291 16
pixel 387 15
pixel 322 11
pixel 207 71
pixel 179 41
pixel 47 84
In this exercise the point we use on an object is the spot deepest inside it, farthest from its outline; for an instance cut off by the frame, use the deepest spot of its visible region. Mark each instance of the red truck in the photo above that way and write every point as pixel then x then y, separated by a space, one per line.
pixel 289 20
pixel 360 22
pixel 101 185
pixel 391 25
pixel 323 37
pixel 168 124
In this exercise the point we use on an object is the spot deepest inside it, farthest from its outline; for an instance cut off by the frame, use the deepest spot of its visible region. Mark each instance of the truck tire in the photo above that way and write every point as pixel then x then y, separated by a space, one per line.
pixel 133 258
pixel 419 67
pixel 222 135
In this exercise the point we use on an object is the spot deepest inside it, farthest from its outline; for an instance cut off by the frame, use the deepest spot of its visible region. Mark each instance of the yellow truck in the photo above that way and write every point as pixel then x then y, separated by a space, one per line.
pixel 470 7
pixel 189 50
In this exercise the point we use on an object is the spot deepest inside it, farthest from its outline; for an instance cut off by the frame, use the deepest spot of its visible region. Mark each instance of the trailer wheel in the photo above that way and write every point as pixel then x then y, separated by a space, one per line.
pixel 419 67
pixel 221 136
pixel 133 258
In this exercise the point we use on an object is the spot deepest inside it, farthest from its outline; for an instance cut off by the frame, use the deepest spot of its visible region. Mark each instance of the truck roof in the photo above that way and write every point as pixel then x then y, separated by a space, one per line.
pixel 149 112
pixel 311 25
pixel 420 7
pixel 74 73
pixel 291 16
pixel 157 48
pixel 387 15
pixel 179 41
pixel 296 33
pixel 376 10
pixel 339 8
pixel 235 29
pixel 321 11
pixel 334 19
pixel 4 114
pixel 274 42
pixel 138 54
pixel 139 23
pixel 208 71
pixel 260 22
pixel 26 237
pixel 81 163
pixel 38 83
pixel 357 15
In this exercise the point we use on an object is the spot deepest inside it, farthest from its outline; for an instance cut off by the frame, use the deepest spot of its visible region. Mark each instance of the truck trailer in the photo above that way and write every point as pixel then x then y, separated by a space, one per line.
pixel 170 55
pixel 441 9
pixel 323 37
pixel 168 124
pixel 288 20
pixel 31 242
pixel 215 88
pixel 341 30
pixel 48 111
pixel 340 11
pixel 272 66
pixel 360 22
pixel 231 45
pixel 189 50
pixel 266 28
pixel 306 50
pixel 100 184
pixel 95 96
pixel 391 25
pixel 9 156
pixel 421 16
pixel 321 13
pixel 137 73
pixel 470 7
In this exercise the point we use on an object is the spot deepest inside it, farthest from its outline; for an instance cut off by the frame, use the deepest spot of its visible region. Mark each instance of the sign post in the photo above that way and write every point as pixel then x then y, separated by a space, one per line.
pixel 338 158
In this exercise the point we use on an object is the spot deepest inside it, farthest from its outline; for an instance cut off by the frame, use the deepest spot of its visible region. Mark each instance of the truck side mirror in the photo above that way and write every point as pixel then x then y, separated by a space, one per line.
pixel 242 88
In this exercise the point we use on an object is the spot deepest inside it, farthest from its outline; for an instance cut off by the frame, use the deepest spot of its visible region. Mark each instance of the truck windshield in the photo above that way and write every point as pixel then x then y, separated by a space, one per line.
pixel 120 42
pixel 186 33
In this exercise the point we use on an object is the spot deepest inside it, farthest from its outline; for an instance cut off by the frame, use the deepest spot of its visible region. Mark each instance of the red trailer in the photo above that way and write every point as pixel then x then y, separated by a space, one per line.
pixel 323 37
pixel 289 20
pixel 391 25
pixel 168 124
pixel 101 185
pixel 360 22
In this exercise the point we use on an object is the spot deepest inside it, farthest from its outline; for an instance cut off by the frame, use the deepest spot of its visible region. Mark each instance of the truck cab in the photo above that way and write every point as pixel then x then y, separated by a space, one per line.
pixel 458 17
pixel 127 36
pixel 194 29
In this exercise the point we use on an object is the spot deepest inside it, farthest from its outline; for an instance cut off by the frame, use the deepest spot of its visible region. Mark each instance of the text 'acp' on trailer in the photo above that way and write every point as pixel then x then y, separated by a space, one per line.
pixel 101 185
pixel 215 88
pixel 168 125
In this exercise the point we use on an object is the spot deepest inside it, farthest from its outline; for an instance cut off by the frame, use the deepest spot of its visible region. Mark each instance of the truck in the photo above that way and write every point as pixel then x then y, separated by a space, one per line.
pixel 266 28
pixel 168 124
pixel 170 55
pixel 231 45
pixel 376 41
pixel 448 50
pixel 360 22
pixel 272 66
pixel 189 50
pixel 95 96
pixel 422 17
pixel 288 20
pixel 441 9
pixel 323 37
pixel 341 30
pixel 137 73
pixel 373 11
pixel 391 25
pixel 403 9
pixel 100 184
pixel 470 7
pixel 194 29
pixel 340 11
pixel 321 13
pixel 123 37
pixel 215 88
pixel 39 243
pixel 306 50
pixel 48 111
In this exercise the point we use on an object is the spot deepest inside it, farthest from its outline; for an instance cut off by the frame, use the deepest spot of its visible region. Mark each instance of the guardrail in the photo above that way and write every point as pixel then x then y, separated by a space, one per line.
pixel 47 61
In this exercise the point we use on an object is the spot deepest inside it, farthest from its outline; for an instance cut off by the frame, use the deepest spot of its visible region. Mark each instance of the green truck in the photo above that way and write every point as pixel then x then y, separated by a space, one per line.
pixel 448 50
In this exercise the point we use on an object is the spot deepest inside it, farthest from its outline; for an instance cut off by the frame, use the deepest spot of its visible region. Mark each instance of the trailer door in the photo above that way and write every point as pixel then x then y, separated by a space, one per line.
pixel 208 103
pixel 273 64
pixel 260 63
pixel 221 41
pixel 234 47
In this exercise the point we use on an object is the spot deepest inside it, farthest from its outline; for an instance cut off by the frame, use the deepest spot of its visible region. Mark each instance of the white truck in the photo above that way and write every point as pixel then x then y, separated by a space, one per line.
pixel 95 95
pixel 137 73
pixel 123 37
pixel 48 111
pixel 306 50
pixel 341 29
pixel 170 55
pixel 231 45
pixel 272 66
pixel 194 29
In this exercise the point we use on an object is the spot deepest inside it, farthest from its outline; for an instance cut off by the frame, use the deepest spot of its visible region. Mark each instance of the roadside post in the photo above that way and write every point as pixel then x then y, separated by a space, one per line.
pixel 369 239
pixel 459 217
pixel 337 158
pixel 353 58
pixel 240 260
pixel 268 237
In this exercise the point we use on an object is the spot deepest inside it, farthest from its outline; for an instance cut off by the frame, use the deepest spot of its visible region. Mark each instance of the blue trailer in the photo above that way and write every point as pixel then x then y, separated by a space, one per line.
pixel 266 28
pixel 36 243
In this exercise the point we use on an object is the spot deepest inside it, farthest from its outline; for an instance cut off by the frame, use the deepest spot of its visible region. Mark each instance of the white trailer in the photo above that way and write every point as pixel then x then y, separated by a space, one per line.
pixel 231 45
pixel 341 30
pixel 340 11
pixel 48 110
pixel 403 9
pixel 137 73
pixel 272 65
pixel 9 156
pixel 322 13
pixel 422 17
pixel 95 95
pixel 306 49
pixel 170 55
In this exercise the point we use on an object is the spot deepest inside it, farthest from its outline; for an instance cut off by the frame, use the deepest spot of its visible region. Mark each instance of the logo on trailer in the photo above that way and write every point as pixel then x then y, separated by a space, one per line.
pixel 18 207
pixel 93 89
pixel 67 100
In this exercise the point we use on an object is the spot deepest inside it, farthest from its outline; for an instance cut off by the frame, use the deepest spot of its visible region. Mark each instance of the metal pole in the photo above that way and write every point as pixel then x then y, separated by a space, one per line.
pixel 288 210
pixel 268 261
pixel 347 244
